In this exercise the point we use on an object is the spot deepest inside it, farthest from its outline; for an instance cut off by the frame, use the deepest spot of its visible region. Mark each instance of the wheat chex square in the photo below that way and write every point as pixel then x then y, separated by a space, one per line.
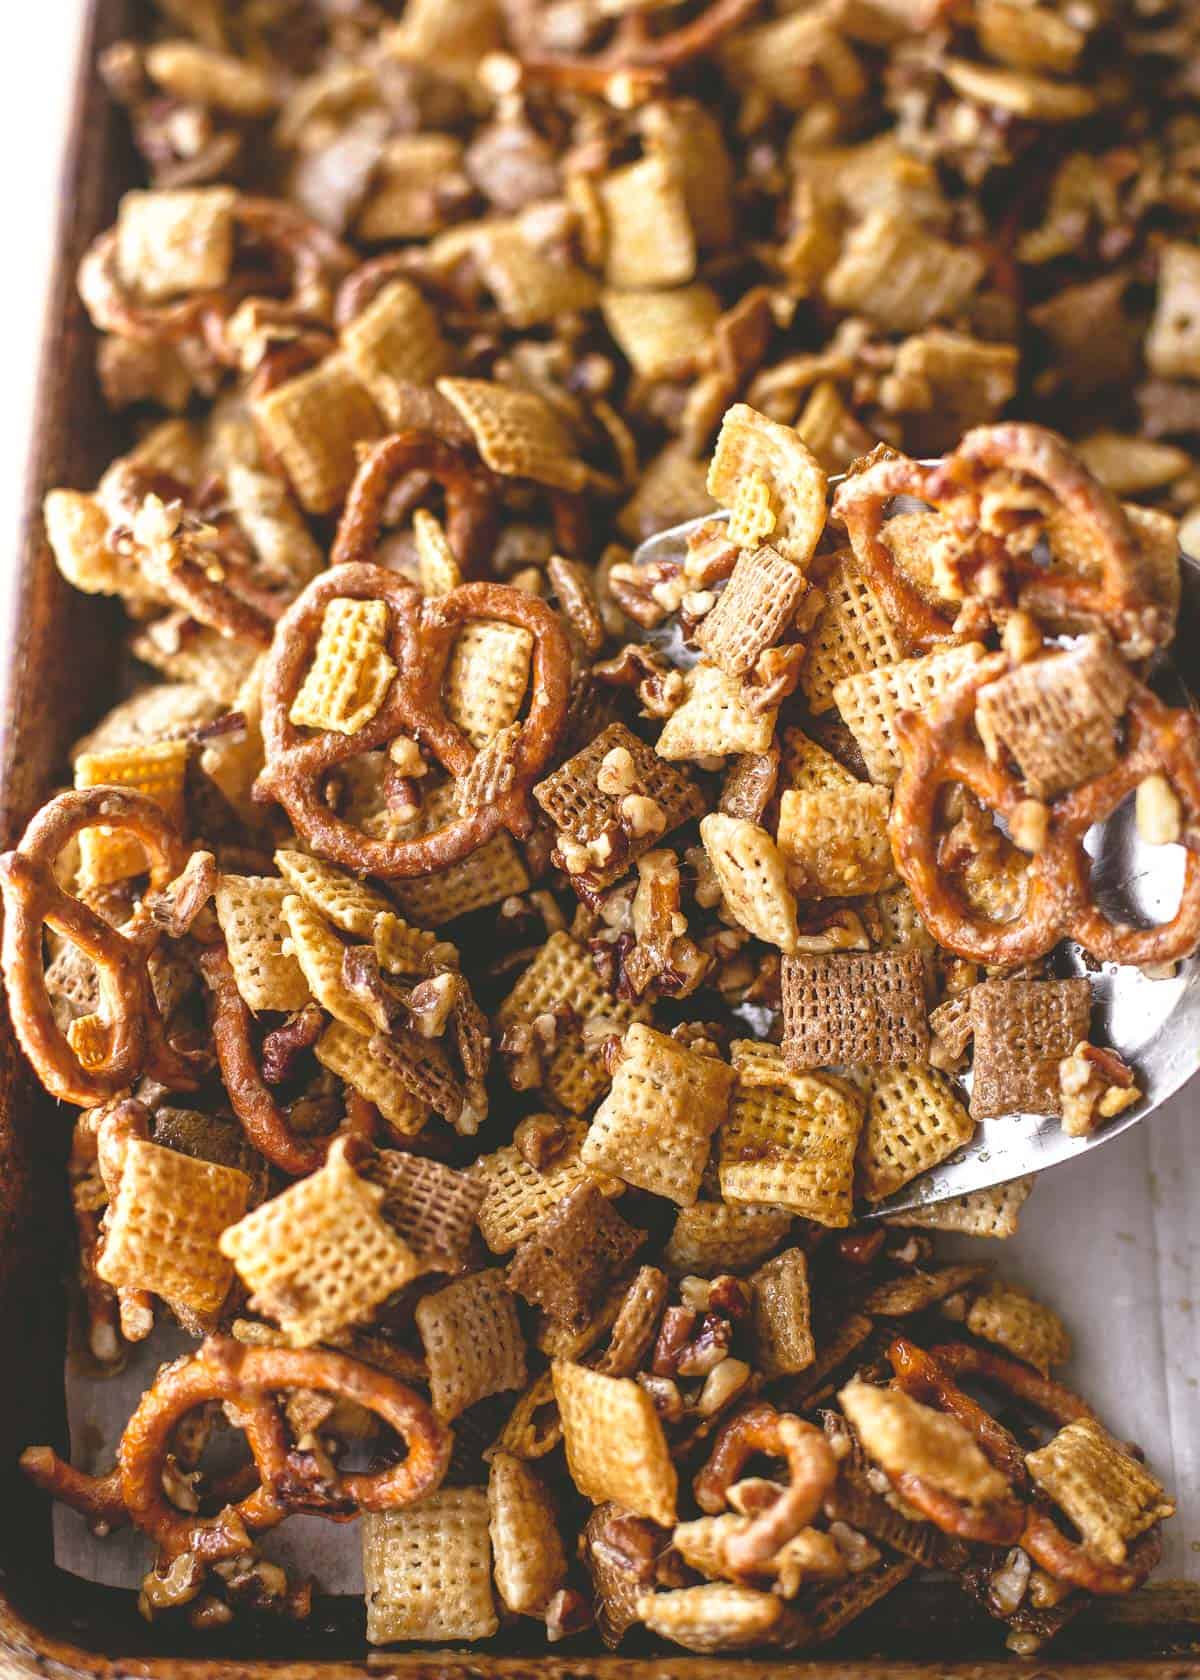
pixel 579 809
pixel 1058 715
pixel 753 611
pixel 1022 1030
pixel 854 1007
pixel 569 1260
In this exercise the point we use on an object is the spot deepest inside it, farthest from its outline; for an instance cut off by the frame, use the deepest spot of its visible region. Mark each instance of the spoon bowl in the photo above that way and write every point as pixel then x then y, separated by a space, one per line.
pixel 1153 1024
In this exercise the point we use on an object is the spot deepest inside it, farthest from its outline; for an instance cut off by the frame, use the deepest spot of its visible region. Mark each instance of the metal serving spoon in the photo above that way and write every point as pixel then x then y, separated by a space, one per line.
pixel 1153 1024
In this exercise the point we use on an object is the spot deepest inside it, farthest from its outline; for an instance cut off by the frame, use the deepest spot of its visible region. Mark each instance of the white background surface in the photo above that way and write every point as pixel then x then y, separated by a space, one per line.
pixel 41 53
pixel 1113 1241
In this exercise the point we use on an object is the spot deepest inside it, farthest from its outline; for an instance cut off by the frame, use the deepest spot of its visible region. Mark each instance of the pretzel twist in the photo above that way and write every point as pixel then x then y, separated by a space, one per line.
pixel 812 1471
pixel 422 633
pixel 929 1376
pixel 634 52
pixel 137 1041
pixel 1117 599
pixel 315 261
pixel 1068 1561
pixel 940 749
pixel 264 1122
pixel 250 1379
pixel 472 501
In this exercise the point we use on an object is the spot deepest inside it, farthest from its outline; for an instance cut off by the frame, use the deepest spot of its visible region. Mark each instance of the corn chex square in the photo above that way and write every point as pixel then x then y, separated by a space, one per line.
pixel 1022 1030
pixel 428 1569
pixel 320 1257
pixel 753 611
pixel 808 767
pixel 1020 1325
pixel 319 951
pixel 979 1213
pixel 529 1561
pixel 517 1196
pixel 367 1063
pixel 712 1237
pixel 473 1342
pixel 901 924
pixel 754 451
pixel 790 1139
pixel 1109 1496
pixel 660 333
pixel 492 872
pixel 854 1007
pixel 655 1126
pixel 752 877
pixel 900 276
pixel 530 285
pixel 438 570
pixel 334 893
pixel 636 1323
pixel 350 673
pixel 400 203
pixel 486 678
pixel 852 634
pixel 950 1030
pixel 173 242
pixel 914 1120
pixel 870 701
pixel 615 1444
pixel 165 1223
pixel 159 770
pixel 649 241
pixel 836 841
pixel 563 972
pixel 399 947
pixel 313 423
pixel 517 432
pixel 781 1315
pixel 1058 715
pixel 395 342
pixel 250 912
pixel 716 718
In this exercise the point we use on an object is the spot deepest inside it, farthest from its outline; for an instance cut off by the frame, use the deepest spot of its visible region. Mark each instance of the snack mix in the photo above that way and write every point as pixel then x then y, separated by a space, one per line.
pixel 493 973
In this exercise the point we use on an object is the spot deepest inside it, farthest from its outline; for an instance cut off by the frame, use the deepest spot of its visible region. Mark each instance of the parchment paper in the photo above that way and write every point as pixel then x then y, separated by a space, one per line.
pixel 1111 1240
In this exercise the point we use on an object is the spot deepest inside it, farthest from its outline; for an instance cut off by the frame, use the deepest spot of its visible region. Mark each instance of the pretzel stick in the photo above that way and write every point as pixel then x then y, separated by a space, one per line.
pixel 812 1471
